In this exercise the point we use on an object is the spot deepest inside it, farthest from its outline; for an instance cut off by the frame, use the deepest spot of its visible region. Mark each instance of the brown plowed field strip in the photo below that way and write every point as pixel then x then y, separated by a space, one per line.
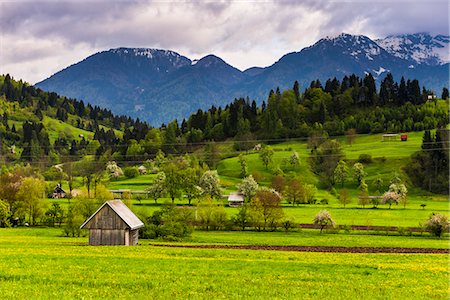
pixel 334 249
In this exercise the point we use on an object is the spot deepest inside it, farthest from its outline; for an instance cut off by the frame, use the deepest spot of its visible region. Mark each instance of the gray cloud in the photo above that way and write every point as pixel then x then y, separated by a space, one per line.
pixel 38 38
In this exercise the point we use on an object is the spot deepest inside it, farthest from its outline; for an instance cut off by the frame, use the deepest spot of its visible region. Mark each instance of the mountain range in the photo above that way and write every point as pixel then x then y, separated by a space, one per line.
pixel 160 85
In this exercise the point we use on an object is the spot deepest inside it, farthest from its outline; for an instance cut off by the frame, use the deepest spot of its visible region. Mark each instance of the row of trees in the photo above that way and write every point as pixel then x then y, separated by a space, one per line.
pixel 262 213
pixel 352 103
pixel 429 167
pixel 22 196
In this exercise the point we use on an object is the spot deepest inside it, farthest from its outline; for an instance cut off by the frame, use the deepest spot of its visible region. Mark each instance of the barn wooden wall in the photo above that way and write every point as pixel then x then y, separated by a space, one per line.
pixel 106 218
pixel 134 237
pixel 109 237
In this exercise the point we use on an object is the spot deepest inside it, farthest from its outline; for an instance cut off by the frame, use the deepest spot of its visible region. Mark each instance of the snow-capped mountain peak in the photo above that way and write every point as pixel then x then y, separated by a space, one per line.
pixel 421 48
pixel 175 59
pixel 359 46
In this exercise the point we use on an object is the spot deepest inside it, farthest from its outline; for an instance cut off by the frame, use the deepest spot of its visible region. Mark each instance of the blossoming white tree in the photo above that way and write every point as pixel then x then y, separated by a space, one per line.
pixel 323 218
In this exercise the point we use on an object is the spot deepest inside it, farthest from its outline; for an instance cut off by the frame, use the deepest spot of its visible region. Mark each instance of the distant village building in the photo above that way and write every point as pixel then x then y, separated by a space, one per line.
pixel 390 137
pixel 142 170
pixel 235 199
pixel 257 147
pixel 113 224
pixel 431 97
pixel 58 192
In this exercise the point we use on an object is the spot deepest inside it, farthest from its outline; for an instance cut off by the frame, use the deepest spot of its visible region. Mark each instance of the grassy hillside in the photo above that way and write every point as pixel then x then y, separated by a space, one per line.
pixel 388 158
pixel 57 128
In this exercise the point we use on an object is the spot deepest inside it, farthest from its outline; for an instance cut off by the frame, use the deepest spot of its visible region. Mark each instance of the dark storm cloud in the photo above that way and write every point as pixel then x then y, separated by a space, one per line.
pixel 52 34
pixel 394 17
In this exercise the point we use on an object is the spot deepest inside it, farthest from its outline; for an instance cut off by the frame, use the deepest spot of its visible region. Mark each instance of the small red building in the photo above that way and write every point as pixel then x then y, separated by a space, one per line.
pixel 404 137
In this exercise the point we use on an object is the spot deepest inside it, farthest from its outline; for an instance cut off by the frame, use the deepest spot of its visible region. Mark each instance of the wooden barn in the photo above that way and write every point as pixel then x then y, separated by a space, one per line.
pixel 235 200
pixel 113 224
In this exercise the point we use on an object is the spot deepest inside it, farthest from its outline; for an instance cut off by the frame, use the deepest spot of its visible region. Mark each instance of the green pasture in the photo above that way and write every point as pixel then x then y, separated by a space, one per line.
pixel 373 145
pixel 388 158
pixel 138 183
pixel 57 128
pixel 313 237
pixel 37 264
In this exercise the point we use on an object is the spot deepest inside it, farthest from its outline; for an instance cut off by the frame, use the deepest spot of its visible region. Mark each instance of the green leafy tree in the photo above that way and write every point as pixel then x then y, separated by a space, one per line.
pixel 294 160
pixel 395 179
pixel 173 181
pixel 266 156
pixel 55 214
pixel 31 195
pixel 344 197
pixel 310 192
pixel 211 155
pixel 189 184
pixel 157 189
pixel 266 210
pixel 4 214
pixel 378 183
pixel 131 172
pixel 243 165
pixel 295 191
pixel 211 216
pixel 359 173
pixel 297 91
pixel 10 183
pixel 278 183
pixel 341 172
pixel 242 218
pixel 160 159
pixel 363 194
pixel 73 221
pixel 325 159
pixel 170 137
pixel 444 93
pixel 90 170
pixel 170 223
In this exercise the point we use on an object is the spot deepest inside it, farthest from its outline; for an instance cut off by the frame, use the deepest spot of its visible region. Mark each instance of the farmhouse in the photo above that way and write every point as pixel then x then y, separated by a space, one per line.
pixel 235 199
pixel 113 224
pixel 58 192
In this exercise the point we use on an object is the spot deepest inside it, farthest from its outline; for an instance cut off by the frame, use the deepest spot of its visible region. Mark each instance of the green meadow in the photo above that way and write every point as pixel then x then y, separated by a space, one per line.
pixel 40 264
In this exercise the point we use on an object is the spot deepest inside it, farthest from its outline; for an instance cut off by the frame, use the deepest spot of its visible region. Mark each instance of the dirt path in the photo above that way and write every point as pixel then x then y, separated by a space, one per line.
pixel 314 248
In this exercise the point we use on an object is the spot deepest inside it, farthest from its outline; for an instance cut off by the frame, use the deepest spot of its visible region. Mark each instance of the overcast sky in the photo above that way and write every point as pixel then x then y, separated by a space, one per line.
pixel 39 38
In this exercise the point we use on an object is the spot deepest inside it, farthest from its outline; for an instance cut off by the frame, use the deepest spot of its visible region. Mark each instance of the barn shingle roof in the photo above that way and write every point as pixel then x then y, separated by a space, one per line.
pixel 236 197
pixel 122 211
